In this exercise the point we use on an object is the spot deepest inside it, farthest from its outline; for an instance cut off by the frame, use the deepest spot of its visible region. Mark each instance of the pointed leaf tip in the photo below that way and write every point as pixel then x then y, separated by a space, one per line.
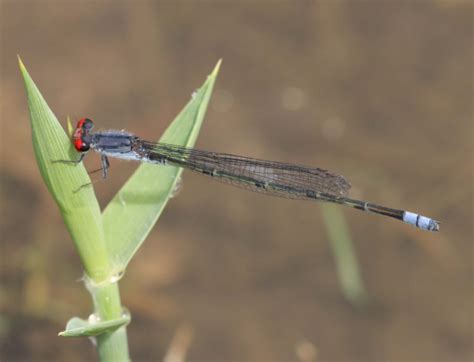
pixel 70 128
pixel 21 65
pixel 217 68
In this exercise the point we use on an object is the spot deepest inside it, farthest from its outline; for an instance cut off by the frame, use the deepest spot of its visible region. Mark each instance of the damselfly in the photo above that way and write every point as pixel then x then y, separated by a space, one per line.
pixel 267 177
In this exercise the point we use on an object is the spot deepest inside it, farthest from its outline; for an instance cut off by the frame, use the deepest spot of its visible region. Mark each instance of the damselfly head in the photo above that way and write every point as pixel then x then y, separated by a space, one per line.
pixel 81 138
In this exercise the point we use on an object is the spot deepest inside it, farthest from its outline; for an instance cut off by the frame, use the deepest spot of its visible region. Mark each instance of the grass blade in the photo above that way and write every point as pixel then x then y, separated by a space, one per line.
pixel 80 210
pixel 132 213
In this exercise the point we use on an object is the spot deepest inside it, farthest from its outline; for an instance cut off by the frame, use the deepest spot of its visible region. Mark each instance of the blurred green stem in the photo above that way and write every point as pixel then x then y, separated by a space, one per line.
pixel 344 255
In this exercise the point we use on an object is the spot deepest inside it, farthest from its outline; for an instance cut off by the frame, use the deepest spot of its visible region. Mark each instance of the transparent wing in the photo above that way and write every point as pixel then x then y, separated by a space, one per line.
pixel 268 177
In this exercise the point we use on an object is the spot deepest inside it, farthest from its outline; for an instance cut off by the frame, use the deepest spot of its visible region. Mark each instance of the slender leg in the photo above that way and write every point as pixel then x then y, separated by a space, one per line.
pixel 94 171
pixel 105 166
pixel 79 160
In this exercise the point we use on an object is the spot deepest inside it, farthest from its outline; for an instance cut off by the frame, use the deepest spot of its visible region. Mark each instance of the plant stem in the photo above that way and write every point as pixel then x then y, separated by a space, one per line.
pixel 111 346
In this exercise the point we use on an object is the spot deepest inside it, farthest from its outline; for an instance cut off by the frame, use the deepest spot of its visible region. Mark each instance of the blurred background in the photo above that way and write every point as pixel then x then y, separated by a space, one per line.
pixel 380 92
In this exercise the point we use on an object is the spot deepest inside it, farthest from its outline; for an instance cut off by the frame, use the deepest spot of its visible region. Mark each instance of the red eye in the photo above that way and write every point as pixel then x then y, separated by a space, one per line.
pixel 81 137
pixel 80 145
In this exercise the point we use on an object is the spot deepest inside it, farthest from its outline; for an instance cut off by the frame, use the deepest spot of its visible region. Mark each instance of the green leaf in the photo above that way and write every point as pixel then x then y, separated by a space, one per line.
pixel 80 210
pixel 132 213
pixel 77 327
